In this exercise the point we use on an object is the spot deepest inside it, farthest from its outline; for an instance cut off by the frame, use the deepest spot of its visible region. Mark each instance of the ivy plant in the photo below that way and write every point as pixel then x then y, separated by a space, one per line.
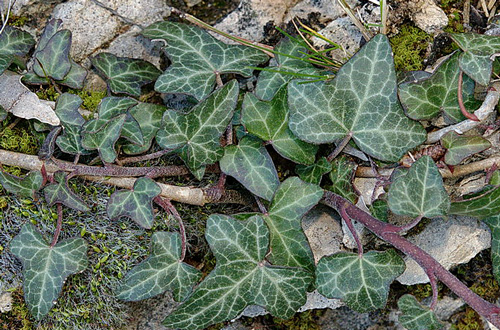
pixel 286 143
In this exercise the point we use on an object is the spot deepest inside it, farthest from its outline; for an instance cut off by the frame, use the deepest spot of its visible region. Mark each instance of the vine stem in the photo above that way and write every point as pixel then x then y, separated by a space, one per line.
pixel 339 147
pixel 170 208
pixel 58 226
pixel 389 233
pixel 136 159
pixel 461 105
pixel 349 224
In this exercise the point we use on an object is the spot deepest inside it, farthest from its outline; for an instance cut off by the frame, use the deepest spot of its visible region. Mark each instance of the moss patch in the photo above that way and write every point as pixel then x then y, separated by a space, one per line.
pixel 409 47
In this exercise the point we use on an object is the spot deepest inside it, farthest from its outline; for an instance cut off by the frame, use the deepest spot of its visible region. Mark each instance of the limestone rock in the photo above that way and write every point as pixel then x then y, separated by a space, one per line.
pixel 424 13
pixel 5 302
pixel 329 10
pixel 451 242
pixel 139 12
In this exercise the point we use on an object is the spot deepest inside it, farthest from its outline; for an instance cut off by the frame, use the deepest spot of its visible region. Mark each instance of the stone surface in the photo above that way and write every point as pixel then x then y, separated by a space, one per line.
pixel 91 26
pixel 424 13
pixel 148 314
pixel 328 9
pixel 140 12
pixel 451 242
pixel 5 302
pixel 447 306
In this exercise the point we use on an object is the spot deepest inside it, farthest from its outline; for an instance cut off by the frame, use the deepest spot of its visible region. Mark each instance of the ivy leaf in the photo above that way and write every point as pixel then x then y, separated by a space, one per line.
pixel 419 192
pixel 415 316
pixel 494 223
pixel 195 135
pixel 314 173
pixel 241 277
pixel 67 111
pixel 250 164
pixel 160 272
pixel 45 268
pixel 362 99
pixel 114 121
pixel 149 118
pixel 13 42
pixel 26 186
pixel 75 77
pixel 460 147
pixel 197 57
pixel 426 98
pixel 136 204
pixel 380 209
pixel 59 192
pixel 361 282
pixel 53 60
pixel 342 176
pixel 290 56
pixel 289 246
pixel 482 206
pixel 125 75
pixel 476 59
pixel 269 121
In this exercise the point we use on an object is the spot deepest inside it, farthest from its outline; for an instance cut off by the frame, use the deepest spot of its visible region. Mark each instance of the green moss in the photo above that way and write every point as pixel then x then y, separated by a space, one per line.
pixel 469 320
pixel 448 4
pixel 409 47
pixel 420 291
pixel 301 321
pixel 454 23
pixel 47 93
pixel 18 317
pixel 18 139
pixel 90 98
pixel 17 20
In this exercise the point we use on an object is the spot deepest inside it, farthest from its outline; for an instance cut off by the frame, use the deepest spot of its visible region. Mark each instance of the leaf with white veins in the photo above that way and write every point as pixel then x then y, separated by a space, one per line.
pixel 415 316
pixel 314 173
pixel 361 282
pixel 160 272
pixel 59 192
pixel 250 164
pixel 26 186
pixel 136 204
pixel 13 42
pixel 241 277
pixel 45 268
pixel 362 99
pixel 460 147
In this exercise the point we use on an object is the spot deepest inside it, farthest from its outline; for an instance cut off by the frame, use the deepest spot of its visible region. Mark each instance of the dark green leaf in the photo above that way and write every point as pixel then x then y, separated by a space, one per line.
pixel 270 82
pixel 197 57
pixel 269 121
pixel 478 49
pixel 136 204
pixel 13 42
pixel 67 110
pixel 59 192
pixel 75 77
pixel 342 176
pixel 250 164
pixel 162 271
pixel 415 316
pixel 361 282
pixel 380 210
pixel 241 277
pixel 483 206
pixel 45 268
pixel 460 147
pixel 314 173
pixel 149 118
pixel 125 75
pixel 3 113
pixel 26 186
pixel 53 60
pixel 195 135
pixel 427 98
pixel 362 99
pixel 419 192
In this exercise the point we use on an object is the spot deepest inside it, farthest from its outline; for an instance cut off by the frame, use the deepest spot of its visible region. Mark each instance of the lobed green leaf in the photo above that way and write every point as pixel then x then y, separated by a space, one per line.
pixel 59 192
pixel 53 59
pixel 485 205
pixel 342 176
pixel 460 147
pixel 415 316
pixel 26 186
pixel 314 173
pixel 13 42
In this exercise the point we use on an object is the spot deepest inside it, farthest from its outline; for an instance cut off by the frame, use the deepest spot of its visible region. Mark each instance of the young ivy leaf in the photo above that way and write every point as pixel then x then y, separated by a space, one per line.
pixel 67 110
pixel 460 147
pixel 362 99
pixel 195 135
pixel 197 58
pixel 494 223
pixel 426 98
pixel 26 186
pixel 269 121
pixel 289 246
pixel 59 192
pixel 241 277
pixel 149 117
pixel 250 164
pixel 160 272
pixel 415 316
pixel 485 205
pixel 361 282
pixel 476 60
pixel 53 60
pixel 125 75
pixel 136 204
pixel 290 57
pixel 114 121
pixel 420 191
pixel 13 42
pixel 342 176
pixel 45 268
pixel 314 173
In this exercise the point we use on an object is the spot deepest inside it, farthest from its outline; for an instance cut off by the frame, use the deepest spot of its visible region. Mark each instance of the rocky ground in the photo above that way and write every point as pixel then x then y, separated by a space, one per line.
pixel 114 26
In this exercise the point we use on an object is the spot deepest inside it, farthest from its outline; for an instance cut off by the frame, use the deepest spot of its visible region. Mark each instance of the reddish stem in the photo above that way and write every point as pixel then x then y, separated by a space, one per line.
pixel 349 224
pixel 262 207
pixel 435 291
pixel 170 208
pixel 389 233
pixel 136 159
pixel 339 147
pixel 58 226
pixel 464 111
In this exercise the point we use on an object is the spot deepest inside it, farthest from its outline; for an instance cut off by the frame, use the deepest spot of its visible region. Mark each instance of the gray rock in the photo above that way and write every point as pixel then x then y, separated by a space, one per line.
pixel 447 306
pixel 428 16
pixel 451 242
pixel 5 302
pixel 139 12
pixel 329 10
